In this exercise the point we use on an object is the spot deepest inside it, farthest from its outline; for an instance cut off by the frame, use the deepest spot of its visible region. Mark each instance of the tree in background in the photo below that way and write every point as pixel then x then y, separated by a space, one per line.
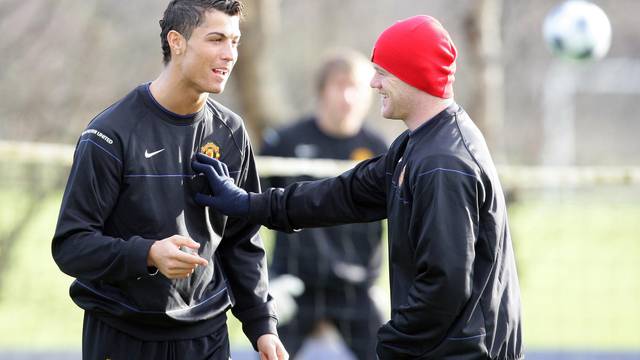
pixel 484 33
pixel 259 98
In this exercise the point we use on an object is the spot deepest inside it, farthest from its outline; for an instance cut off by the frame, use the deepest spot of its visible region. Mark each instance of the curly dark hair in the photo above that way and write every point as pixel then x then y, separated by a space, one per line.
pixel 185 15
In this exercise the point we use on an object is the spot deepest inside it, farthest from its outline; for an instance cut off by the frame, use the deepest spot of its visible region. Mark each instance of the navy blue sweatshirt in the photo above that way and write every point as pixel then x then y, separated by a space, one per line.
pixel 454 286
pixel 131 183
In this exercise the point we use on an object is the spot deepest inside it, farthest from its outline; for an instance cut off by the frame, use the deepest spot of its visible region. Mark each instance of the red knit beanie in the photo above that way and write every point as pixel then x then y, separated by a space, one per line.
pixel 418 51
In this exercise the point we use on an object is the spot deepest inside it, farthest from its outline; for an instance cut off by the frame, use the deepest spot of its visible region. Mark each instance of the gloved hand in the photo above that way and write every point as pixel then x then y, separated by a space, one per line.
pixel 284 289
pixel 225 196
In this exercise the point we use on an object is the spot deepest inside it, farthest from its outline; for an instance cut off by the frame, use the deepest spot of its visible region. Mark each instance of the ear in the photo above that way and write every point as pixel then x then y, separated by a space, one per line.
pixel 177 43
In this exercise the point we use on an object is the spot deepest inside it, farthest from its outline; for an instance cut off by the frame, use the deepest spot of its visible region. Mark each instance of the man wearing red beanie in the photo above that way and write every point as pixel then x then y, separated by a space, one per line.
pixel 454 285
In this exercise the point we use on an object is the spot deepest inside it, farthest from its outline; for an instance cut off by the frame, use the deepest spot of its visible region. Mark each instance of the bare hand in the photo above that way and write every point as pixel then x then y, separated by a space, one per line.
pixel 271 348
pixel 172 262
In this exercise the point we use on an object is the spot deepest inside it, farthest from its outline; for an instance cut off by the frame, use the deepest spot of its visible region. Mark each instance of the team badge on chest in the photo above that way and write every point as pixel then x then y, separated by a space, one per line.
pixel 211 150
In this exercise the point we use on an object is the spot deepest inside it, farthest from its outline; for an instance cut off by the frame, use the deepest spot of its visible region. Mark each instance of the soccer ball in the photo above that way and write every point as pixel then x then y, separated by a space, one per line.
pixel 577 29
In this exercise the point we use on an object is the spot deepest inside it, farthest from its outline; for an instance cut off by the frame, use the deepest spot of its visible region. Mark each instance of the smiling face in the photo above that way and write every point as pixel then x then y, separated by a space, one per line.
pixel 397 96
pixel 206 59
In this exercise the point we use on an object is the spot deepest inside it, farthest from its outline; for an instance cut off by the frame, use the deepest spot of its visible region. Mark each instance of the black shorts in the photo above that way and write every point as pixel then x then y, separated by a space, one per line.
pixel 101 342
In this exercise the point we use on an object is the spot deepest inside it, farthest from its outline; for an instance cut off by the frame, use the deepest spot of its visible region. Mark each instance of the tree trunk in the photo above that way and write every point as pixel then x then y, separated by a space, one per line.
pixel 484 31
pixel 259 99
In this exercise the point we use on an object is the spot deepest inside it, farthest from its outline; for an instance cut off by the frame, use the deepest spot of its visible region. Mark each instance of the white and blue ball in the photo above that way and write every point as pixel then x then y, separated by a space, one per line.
pixel 578 29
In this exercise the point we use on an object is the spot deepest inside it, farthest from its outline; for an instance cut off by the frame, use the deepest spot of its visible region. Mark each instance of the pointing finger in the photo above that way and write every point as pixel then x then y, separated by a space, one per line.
pixel 191 244
pixel 180 240
pixel 191 259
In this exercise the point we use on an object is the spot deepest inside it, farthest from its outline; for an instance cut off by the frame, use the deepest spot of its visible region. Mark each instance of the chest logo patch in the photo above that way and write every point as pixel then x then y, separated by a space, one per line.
pixel 211 150
pixel 361 153
pixel 149 155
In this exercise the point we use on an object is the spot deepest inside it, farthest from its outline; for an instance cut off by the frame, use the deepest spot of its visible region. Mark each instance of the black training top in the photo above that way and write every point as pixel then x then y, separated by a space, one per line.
pixel 454 287
pixel 131 184
pixel 326 257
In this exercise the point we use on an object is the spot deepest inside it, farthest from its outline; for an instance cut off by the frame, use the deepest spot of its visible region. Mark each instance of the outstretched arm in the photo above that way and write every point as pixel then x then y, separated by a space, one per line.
pixel 357 195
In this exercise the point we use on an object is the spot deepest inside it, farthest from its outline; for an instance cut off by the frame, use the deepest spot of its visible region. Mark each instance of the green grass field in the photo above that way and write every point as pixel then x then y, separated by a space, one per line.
pixel 578 261
pixel 579 272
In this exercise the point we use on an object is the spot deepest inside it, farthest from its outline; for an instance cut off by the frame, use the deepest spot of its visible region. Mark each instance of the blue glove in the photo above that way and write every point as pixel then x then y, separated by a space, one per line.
pixel 225 196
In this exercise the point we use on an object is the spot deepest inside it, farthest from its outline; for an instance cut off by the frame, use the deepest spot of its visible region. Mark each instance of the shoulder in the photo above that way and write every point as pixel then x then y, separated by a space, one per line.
pixel 230 121
pixel 111 127
pixel 447 162
pixel 120 113
pixel 474 142
pixel 449 144
pixel 444 169
pixel 223 114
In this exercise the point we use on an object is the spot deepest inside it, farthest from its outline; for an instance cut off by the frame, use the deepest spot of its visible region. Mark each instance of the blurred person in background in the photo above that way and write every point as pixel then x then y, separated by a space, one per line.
pixel 454 285
pixel 337 265
pixel 155 272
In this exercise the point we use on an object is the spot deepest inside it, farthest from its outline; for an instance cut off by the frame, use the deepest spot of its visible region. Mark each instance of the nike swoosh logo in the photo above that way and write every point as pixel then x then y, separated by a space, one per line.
pixel 148 154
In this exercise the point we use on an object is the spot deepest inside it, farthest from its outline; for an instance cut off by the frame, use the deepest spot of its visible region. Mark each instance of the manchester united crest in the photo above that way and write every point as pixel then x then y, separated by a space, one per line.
pixel 211 150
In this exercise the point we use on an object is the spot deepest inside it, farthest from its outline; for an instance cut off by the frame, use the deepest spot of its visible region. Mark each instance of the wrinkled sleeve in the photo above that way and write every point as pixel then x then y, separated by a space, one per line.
pixel 243 257
pixel 357 195
pixel 79 246
pixel 444 226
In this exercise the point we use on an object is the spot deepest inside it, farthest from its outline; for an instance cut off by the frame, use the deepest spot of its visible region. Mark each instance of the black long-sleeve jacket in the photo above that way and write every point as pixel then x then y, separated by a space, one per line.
pixel 454 287
pixel 131 183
